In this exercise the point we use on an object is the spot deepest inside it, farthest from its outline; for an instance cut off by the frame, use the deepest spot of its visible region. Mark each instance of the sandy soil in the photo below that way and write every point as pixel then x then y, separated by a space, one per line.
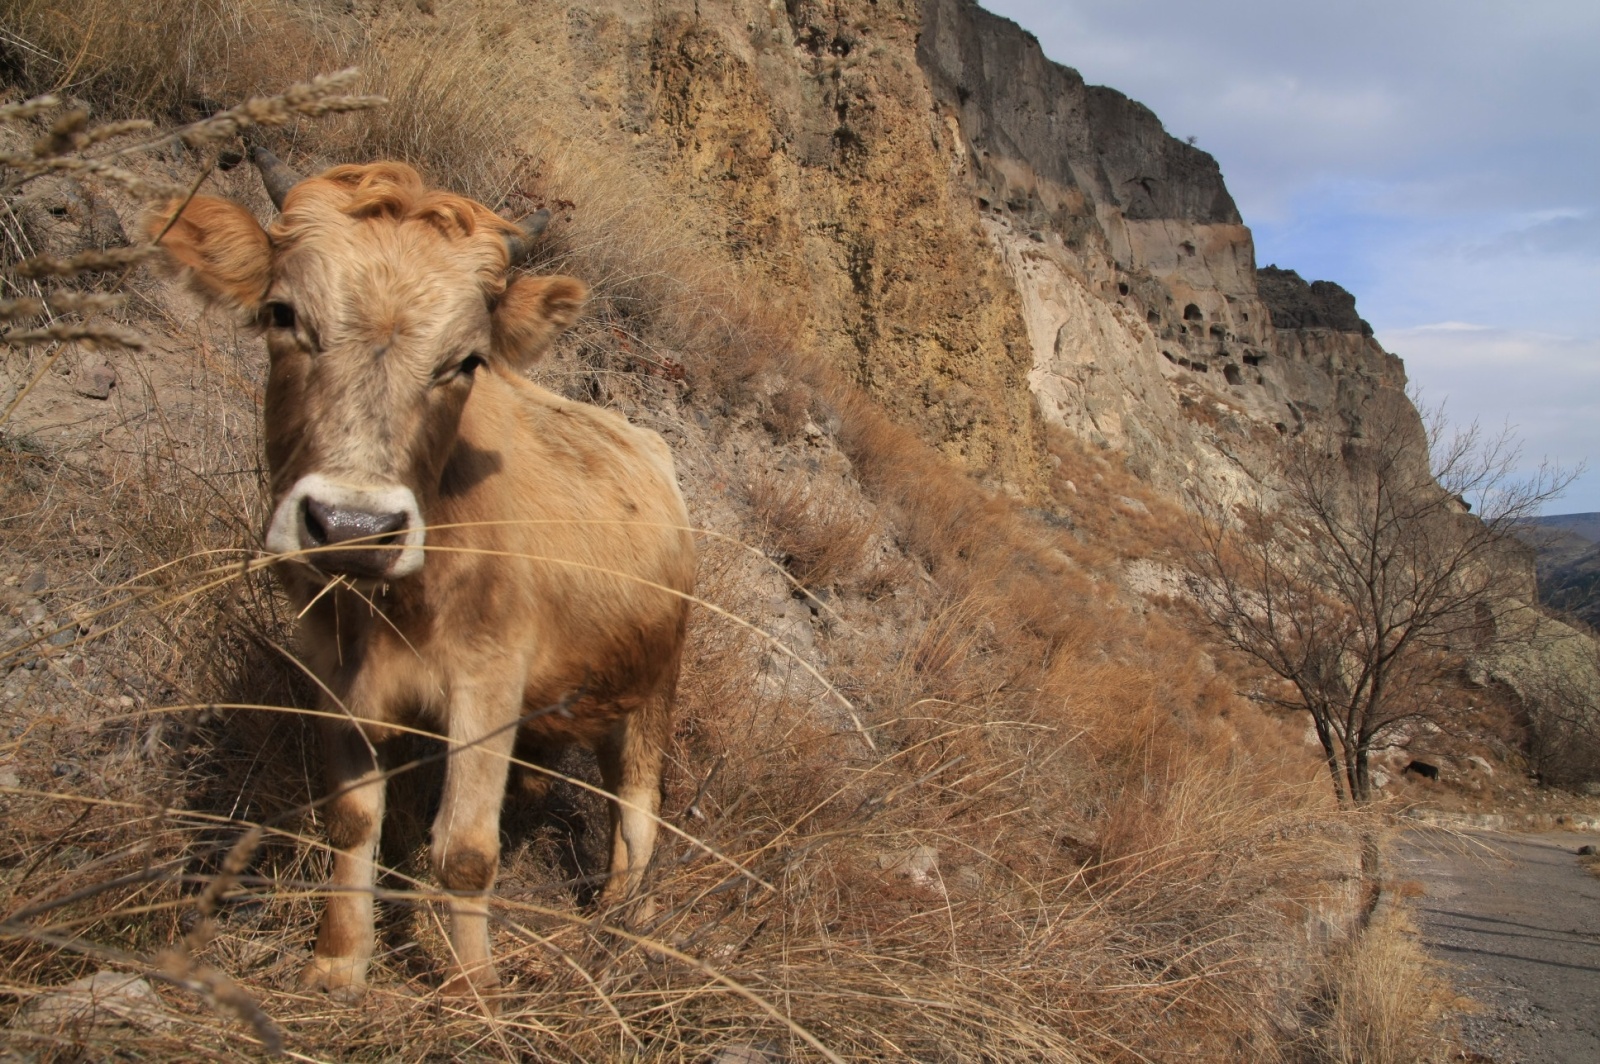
pixel 1519 917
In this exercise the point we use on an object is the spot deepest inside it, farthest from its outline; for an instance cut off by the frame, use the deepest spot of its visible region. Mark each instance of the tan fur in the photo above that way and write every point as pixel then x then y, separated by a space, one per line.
pixel 532 313
pixel 221 245
pixel 556 552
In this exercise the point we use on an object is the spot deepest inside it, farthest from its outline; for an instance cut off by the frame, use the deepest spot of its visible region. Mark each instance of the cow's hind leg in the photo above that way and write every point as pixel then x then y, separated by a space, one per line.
pixel 354 817
pixel 630 766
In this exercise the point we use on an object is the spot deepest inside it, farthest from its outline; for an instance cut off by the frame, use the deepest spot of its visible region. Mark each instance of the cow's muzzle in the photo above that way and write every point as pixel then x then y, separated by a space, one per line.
pixel 345 530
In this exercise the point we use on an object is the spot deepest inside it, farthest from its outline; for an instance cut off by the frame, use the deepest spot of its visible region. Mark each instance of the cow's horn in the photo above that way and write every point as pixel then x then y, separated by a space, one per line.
pixel 277 176
pixel 519 246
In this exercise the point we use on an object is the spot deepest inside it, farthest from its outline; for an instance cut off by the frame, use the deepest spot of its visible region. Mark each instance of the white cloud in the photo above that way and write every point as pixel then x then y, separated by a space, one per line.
pixel 1396 90
pixel 1446 327
pixel 1546 386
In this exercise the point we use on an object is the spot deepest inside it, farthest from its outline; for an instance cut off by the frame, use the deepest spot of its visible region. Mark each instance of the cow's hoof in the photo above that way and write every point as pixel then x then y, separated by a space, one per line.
pixel 478 987
pixel 344 978
pixel 630 913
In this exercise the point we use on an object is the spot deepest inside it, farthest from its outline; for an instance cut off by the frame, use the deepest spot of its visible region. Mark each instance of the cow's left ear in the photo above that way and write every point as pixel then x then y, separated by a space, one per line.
pixel 532 313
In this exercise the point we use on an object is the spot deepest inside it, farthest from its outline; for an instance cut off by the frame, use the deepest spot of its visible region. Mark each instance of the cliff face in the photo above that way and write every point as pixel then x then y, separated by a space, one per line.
pixel 985 242
pixel 1051 141
pixel 813 130
pixel 1152 331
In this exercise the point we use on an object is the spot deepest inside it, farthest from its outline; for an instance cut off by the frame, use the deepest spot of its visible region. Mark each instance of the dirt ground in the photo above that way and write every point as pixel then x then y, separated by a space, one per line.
pixel 1519 918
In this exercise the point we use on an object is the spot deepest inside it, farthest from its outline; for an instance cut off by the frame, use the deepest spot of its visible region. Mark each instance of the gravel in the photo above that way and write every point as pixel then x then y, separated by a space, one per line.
pixel 1519 919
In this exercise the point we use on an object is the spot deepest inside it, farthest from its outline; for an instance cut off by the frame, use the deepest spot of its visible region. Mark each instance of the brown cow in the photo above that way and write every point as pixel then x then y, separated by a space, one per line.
pixel 468 549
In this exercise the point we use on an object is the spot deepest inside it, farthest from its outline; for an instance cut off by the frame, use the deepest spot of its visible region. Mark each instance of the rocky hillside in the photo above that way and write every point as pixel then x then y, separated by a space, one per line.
pixel 1151 330
pixel 940 338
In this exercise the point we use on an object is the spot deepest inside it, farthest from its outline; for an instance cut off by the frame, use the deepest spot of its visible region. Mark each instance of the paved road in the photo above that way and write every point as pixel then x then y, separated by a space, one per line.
pixel 1520 919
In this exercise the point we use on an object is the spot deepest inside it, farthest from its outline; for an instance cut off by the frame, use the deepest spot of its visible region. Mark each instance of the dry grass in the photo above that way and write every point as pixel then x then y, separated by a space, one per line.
pixel 1386 1002
pixel 457 102
pixel 818 532
pixel 155 58
pixel 1068 839
pixel 1116 516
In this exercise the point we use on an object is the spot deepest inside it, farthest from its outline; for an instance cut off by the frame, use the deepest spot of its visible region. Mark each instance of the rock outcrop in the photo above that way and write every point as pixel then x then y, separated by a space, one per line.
pixel 1153 333
pixel 1318 305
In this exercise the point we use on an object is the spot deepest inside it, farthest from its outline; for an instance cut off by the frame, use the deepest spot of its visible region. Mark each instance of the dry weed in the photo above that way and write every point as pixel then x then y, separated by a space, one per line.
pixel 818 533
pixel 1386 1002
pixel 164 58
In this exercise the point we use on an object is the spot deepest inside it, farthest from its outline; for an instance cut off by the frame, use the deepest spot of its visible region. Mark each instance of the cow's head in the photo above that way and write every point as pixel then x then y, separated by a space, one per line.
pixel 380 301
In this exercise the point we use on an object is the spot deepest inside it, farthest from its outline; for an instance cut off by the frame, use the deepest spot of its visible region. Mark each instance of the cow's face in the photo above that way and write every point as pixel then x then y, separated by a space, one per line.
pixel 380 304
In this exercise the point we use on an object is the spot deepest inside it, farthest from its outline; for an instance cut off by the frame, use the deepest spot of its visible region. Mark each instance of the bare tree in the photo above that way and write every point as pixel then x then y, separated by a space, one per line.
pixel 1366 581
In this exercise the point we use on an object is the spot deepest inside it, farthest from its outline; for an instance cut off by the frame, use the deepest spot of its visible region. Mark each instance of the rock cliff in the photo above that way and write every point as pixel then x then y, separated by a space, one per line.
pixel 982 240
pixel 1152 330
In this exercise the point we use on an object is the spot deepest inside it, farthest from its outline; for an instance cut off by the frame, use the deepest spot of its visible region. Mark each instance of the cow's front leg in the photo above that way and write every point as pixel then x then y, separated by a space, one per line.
pixel 354 817
pixel 466 833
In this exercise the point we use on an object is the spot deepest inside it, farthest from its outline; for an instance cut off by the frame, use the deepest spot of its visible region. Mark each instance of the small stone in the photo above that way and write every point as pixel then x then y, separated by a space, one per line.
pixel 36 581
pixel 811 597
pixel 919 864
pixel 63 637
pixel 744 1054
pixel 109 999
pixel 9 776
pixel 1587 850
pixel 96 380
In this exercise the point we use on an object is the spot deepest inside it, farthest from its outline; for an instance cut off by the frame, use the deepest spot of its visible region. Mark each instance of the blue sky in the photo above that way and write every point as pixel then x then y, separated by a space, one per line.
pixel 1438 158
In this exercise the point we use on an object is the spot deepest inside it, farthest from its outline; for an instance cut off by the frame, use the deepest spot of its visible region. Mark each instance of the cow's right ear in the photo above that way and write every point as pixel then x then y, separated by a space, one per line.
pixel 220 246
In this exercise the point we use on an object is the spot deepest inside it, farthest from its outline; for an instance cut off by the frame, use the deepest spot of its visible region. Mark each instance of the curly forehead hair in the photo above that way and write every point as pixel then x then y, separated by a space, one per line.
pixel 392 192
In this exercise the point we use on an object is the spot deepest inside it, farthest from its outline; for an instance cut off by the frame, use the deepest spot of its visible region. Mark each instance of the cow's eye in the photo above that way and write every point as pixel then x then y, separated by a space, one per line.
pixel 278 316
pixel 470 365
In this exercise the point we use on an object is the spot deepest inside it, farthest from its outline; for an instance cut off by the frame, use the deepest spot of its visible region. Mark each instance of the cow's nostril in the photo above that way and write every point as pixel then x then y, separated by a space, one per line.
pixel 314 515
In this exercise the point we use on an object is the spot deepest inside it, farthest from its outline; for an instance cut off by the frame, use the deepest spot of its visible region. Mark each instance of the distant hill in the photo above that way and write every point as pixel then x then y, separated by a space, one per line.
pixel 1568 547
pixel 1584 526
